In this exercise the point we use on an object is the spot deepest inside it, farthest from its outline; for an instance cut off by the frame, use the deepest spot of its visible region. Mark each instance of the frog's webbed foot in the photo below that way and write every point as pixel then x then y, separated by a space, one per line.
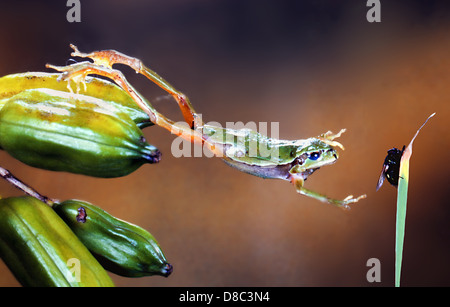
pixel 76 72
pixel 346 201
pixel 331 136
pixel 328 138
pixel 79 71
pixel 77 53
pixel 343 204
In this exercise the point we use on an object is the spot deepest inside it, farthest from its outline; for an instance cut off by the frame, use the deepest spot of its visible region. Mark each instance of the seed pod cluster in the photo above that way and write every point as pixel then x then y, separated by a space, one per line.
pixel 38 247
pixel 98 133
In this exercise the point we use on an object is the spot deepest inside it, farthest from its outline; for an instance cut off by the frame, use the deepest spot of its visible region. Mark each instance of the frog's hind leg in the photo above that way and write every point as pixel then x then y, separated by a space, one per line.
pixel 108 58
pixel 78 72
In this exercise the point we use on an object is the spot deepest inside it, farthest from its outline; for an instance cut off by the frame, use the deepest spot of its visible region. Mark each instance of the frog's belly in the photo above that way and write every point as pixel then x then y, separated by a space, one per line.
pixel 267 172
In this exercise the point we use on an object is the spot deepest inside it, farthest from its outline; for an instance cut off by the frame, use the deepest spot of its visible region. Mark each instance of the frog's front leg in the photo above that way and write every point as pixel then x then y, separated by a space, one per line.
pixel 331 136
pixel 328 138
pixel 298 182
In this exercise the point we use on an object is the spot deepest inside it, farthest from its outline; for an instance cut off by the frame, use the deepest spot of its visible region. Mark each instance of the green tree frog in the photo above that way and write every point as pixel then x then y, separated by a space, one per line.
pixel 293 161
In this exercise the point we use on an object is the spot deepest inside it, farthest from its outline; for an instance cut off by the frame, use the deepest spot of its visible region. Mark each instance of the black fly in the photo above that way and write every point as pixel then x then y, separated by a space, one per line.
pixel 391 167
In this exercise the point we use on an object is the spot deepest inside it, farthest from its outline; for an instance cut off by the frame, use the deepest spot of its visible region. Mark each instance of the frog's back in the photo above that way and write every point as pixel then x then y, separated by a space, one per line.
pixel 251 148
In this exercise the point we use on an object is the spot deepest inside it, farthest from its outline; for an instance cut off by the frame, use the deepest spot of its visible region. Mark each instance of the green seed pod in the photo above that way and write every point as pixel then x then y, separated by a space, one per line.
pixel 41 250
pixel 11 85
pixel 75 133
pixel 121 247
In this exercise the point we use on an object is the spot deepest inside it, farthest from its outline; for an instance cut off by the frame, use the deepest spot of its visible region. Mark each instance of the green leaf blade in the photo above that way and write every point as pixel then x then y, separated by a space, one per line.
pixel 402 197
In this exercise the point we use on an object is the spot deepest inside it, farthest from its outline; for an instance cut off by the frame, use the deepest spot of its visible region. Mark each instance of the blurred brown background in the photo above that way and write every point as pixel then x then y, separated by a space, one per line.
pixel 312 66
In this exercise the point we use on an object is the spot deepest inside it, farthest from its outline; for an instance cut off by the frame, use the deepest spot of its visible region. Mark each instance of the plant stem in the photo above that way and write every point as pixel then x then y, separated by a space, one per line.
pixel 8 176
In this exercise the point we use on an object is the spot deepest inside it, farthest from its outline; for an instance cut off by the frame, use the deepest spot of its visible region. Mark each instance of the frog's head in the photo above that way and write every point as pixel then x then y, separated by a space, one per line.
pixel 316 154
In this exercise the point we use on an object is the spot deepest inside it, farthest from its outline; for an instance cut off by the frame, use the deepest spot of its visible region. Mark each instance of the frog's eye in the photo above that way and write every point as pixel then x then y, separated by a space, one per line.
pixel 314 155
